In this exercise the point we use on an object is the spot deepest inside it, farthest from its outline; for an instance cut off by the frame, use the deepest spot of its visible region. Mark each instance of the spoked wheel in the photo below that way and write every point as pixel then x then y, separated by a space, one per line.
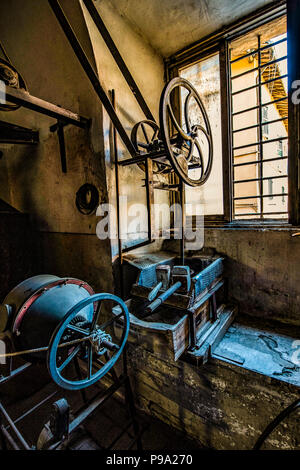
pixel 82 335
pixel 11 77
pixel 145 136
pixel 188 141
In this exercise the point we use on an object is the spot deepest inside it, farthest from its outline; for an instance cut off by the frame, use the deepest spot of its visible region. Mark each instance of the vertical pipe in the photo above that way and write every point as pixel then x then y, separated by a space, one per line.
pixel 150 194
pixel 182 203
pixel 115 152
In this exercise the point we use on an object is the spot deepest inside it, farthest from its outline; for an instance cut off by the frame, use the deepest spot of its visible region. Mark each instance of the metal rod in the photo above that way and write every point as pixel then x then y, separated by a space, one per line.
pixel 11 133
pixel 182 203
pixel 259 196
pixel 98 400
pixel 118 58
pixel 142 158
pixel 15 372
pixel 115 154
pixel 268 46
pixel 138 245
pixel 9 438
pixel 265 82
pixel 62 147
pixel 38 405
pixel 256 107
pixel 24 99
pixel 81 56
pixel 260 179
pixel 260 129
pixel 260 142
pixel 258 161
pixel 150 195
pixel 13 427
pixel 259 213
pixel 162 298
pixel 242 129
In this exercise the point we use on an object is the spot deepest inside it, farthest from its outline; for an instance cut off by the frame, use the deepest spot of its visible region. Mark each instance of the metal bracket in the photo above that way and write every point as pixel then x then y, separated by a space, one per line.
pixel 59 127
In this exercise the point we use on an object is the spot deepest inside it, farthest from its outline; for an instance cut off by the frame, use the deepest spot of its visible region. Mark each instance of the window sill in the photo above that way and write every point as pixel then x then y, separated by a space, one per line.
pixel 245 225
pixel 261 226
pixel 253 349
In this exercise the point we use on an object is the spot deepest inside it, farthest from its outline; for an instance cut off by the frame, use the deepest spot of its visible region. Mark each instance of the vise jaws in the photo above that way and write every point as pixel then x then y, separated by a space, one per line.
pixel 182 277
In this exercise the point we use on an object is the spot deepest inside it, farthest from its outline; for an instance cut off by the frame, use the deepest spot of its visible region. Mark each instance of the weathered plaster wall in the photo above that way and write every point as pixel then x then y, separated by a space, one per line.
pixel 147 68
pixel 35 183
pixel 31 177
pixel 263 271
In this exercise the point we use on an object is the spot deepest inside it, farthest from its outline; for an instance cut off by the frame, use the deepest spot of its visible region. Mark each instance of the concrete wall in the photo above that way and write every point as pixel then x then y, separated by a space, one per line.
pixel 263 271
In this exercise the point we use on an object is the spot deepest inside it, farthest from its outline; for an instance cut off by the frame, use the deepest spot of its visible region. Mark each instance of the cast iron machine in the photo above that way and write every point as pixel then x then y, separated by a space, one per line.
pixel 61 321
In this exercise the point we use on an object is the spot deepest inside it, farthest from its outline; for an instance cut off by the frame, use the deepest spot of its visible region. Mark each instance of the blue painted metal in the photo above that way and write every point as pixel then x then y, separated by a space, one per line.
pixel 203 279
pixel 164 296
pixel 59 331
pixel 33 309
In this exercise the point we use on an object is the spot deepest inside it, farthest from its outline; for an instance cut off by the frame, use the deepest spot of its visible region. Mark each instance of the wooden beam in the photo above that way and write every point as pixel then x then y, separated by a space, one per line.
pixel 23 98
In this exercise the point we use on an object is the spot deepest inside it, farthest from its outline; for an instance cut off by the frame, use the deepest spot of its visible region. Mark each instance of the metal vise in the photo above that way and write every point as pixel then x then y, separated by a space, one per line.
pixel 182 277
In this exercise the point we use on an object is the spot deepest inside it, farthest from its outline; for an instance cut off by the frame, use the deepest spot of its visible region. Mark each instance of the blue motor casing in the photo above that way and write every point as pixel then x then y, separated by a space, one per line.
pixel 34 308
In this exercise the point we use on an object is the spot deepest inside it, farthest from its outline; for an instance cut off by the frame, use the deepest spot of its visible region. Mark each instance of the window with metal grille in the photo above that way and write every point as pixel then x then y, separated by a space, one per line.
pixel 259 122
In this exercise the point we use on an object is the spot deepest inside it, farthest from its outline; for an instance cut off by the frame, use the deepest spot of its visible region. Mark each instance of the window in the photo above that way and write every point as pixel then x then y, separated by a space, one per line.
pixel 259 116
pixel 205 76
pixel 242 78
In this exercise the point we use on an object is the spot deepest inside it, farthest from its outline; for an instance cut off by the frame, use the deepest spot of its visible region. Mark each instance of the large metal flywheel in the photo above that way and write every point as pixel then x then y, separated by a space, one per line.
pixel 187 137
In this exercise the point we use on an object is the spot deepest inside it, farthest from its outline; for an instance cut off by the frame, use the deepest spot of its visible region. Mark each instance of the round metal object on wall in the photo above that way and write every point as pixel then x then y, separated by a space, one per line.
pixel 99 346
pixel 87 199
pixel 37 307
pixel 11 77
pixel 187 134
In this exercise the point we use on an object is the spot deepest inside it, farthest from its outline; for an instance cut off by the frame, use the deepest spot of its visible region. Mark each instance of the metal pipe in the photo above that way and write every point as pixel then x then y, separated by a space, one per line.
pixel 118 58
pixel 14 428
pixel 116 160
pixel 81 56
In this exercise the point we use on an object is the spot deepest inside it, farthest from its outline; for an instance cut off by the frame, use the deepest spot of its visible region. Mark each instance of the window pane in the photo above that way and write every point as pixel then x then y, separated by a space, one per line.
pixel 205 76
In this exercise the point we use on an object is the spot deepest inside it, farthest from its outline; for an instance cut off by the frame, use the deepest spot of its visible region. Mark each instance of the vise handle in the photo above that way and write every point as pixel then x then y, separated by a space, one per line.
pixel 164 296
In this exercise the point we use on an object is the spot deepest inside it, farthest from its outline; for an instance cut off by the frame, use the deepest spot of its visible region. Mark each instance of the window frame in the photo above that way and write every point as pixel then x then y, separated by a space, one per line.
pixel 219 43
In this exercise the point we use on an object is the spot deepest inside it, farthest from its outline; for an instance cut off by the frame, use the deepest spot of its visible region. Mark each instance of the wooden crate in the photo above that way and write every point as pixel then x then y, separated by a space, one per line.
pixel 166 332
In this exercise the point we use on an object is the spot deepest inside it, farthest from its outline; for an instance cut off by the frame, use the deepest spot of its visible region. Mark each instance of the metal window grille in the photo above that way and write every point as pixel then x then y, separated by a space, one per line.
pixel 255 107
